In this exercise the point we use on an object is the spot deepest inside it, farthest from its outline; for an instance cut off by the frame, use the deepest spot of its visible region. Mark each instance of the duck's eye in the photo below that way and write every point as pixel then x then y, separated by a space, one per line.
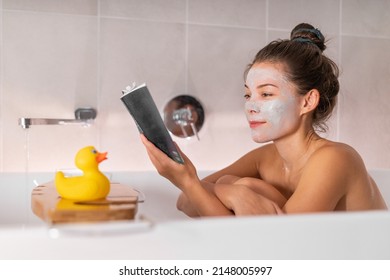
pixel 94 151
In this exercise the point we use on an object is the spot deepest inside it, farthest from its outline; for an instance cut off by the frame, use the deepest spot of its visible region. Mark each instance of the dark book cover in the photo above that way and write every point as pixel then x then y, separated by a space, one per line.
pixel 142 108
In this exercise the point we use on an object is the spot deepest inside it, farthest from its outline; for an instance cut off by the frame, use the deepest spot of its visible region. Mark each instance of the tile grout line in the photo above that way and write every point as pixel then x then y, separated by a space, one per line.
pixel 338 109
pixel 98 71
pixel 267 21
pixel 186 49
pixel 1 87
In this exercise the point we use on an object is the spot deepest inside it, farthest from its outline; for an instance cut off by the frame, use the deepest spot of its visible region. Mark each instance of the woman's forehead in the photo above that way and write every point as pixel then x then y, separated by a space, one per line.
pixel 265 72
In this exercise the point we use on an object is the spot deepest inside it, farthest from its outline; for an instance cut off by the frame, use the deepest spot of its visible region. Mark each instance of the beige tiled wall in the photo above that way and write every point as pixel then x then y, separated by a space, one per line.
pixel 56 56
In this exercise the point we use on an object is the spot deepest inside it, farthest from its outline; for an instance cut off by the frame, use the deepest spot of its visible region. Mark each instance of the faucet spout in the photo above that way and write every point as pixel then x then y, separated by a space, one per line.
pixel 83 116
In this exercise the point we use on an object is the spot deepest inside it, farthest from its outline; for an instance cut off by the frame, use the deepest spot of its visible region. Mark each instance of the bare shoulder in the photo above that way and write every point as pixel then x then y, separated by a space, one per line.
pixel 336 155
pixel 334 177
pixel 336 168
pixel 331 146
pixel 339 170
pixel 333 162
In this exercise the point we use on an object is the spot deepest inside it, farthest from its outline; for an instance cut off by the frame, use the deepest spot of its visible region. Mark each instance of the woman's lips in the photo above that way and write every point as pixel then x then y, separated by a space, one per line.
pixel 254 124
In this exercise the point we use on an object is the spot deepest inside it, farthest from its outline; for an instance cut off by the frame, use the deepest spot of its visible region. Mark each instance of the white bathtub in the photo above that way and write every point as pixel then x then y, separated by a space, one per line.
pixel 168 234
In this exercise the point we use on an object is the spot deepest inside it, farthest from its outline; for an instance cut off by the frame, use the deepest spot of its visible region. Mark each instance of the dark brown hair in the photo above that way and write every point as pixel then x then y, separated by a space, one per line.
pixel 306 67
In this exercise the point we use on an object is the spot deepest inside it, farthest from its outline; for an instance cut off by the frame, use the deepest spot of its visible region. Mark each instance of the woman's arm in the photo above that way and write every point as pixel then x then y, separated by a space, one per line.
pixel 184 176
pixel 249 196
pixel 243 200
pixel 222 193
pixel 246 166
pixel 184 204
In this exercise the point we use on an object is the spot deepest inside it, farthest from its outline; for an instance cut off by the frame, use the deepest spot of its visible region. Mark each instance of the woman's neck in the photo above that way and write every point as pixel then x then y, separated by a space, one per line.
pixel 295 149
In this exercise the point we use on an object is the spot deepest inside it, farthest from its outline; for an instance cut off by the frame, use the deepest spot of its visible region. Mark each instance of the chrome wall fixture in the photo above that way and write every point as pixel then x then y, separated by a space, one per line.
pixel 83 116
pixel 184 116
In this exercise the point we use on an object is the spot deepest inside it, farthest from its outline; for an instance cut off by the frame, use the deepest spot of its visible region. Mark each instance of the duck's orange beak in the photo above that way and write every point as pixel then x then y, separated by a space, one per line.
pixel 101 156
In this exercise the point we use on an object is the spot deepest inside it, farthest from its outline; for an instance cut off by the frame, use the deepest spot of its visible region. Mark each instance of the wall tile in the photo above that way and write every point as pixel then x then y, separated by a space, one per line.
pixel 366 18
pixel 225 60
pixel 79 7
pixel 1 93
pixel 321 14
pixel 364 121
pixel 50 69
pixel 53 60
pixel 150 52
pixel 248 13
pixel 164 10
pixel 216 75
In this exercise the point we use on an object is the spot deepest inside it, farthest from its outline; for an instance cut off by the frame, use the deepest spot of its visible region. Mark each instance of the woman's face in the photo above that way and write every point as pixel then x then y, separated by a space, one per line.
pixel 272 106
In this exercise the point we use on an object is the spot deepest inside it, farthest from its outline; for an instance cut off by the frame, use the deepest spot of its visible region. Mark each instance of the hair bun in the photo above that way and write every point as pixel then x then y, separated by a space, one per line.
pixel 305 32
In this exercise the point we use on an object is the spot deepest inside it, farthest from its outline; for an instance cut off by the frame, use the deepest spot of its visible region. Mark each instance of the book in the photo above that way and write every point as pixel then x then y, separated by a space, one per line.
pixel 143 109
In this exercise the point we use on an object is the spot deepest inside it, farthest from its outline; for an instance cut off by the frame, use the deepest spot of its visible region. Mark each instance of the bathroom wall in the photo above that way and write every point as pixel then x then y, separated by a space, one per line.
pixel 56 56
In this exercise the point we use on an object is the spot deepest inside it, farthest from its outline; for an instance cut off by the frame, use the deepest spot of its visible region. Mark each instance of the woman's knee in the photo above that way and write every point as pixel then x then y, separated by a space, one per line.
pixel 247 181
pixel 227 179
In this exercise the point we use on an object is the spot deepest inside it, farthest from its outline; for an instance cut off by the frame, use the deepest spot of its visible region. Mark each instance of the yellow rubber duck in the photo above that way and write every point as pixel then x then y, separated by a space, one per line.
pixel 92 185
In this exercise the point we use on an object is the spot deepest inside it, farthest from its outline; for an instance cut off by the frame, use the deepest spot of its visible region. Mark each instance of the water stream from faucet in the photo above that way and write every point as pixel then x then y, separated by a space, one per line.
pixel 26 191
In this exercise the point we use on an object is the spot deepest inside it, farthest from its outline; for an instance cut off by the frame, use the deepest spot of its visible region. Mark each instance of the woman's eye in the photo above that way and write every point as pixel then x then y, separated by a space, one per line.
pixel 266 94
pixel 247 96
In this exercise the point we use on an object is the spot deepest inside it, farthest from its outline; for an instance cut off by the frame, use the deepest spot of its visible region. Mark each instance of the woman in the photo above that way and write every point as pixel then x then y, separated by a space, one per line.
pixel 290 91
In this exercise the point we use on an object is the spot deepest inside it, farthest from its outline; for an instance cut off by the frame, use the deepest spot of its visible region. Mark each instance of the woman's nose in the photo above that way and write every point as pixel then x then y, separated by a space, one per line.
pixel 252 108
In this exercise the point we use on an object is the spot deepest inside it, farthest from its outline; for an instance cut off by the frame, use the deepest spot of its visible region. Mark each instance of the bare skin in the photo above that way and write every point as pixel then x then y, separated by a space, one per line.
pixel 298 172
pixel 341 180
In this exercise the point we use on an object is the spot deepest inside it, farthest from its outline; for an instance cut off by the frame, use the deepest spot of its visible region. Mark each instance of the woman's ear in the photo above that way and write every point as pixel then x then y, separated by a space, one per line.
pixel 310 101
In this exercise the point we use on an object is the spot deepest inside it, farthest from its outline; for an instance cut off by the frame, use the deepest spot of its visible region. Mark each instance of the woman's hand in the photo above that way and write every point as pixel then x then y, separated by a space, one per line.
pixel 181 175
pixel 199 200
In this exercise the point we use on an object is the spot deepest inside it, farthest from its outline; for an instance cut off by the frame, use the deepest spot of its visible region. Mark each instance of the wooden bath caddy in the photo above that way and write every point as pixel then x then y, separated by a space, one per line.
pixel 120 204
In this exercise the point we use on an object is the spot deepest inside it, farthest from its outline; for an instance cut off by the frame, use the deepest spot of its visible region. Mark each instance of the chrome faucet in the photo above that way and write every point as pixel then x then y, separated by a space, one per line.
pixel 83 116
pixel 184 116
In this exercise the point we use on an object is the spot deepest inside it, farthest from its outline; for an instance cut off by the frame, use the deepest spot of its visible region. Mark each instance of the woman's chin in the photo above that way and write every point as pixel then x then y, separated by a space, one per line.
pixel 261 139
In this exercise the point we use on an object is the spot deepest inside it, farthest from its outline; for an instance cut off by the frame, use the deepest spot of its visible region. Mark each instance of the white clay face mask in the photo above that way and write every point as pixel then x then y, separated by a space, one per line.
pixel 272 108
